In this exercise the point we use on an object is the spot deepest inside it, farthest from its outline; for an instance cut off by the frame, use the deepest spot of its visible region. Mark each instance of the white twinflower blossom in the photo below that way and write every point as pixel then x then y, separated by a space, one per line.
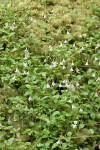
pixel 65 41
pixel 74 126
pixel 98 79
pixel 54 64
pixel 71 70
pixel 47 120
pixel 45 60
pixel 50 48
pixel 26 54
pixel 47 86
pixel 75 122
pixel 99 63
pixel 24 64
pixel 53 83
pixel 51 66
pixel 34 21
pixel 97 46
pixel 80 36
pixel 25 73
pixel 14 77
pixel 58 142
pixel 80 110
pixel 96 94
pixel 60 85
pixel 14 49
pixel 64 81
pixel 44 74
pixel 82 48
pixel 17 71
pixel 31 19
pixel 61 45
pixel 63 67
pixel 93 75
pixel 61 63
pixel 67 85
pixel 74 45
pixel 6 25
pixel 77 70
pixel 45 17
pixel 72 87
pixel 73 106
pixel 68 33
pixel 72 63
pixel 87 63
pixel 63 60
pixel 77 84
pixel 12 27
pixel 26 81
pixel 70 101
pixel 96 59
pixel 30 98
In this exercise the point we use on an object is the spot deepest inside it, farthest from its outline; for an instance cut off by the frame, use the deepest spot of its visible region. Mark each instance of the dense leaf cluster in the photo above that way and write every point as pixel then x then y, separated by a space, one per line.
pixel 49 75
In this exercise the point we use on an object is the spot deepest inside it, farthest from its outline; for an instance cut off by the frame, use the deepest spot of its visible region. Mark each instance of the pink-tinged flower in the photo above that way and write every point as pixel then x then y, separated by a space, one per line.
pixel 65 81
